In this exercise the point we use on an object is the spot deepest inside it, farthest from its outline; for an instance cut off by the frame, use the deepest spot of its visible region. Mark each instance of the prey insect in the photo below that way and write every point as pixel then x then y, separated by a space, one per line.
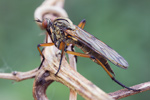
pixel 63 33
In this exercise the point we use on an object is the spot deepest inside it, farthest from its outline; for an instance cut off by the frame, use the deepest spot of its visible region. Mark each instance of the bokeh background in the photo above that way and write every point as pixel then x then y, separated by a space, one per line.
pixel 122 24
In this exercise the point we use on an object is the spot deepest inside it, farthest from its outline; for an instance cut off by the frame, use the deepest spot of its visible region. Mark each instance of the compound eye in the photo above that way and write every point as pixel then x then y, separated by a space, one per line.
pixel 45 23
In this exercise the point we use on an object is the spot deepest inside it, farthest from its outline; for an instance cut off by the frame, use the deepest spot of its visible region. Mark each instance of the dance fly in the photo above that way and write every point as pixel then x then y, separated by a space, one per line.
pixel 63 33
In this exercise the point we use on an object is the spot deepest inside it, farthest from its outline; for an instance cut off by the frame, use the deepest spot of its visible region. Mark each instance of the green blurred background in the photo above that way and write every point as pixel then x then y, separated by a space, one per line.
pixel 122 24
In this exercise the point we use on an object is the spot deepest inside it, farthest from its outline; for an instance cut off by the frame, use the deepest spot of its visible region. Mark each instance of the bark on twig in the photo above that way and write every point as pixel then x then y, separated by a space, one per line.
pixel 69 77
pixel 40 85
pixel 125 93
pixel 19 76
pixel 72 62
pixel 52 9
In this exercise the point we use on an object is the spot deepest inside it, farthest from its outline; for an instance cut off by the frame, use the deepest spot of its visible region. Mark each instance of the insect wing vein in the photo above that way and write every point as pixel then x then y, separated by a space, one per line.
pixel 100 47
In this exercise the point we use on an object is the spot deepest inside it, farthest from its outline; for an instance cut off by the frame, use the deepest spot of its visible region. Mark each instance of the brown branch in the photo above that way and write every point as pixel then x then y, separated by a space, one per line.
pixel 52 9
pixel 125 93
pixel 72 62
pixel 40 85
pixel 69 77
pixel 19 76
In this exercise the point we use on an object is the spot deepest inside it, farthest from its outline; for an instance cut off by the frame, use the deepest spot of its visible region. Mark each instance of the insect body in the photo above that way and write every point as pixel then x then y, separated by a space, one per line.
pixel 62 33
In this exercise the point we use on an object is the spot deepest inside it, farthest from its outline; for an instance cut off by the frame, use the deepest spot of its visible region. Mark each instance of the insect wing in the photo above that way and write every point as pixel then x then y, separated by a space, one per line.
pixel 100 47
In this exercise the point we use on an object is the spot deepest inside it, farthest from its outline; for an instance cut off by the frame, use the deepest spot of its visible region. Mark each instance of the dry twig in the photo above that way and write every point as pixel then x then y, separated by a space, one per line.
pixel 19 76
pixel 125 93
pixel 67 76
pixel 52 9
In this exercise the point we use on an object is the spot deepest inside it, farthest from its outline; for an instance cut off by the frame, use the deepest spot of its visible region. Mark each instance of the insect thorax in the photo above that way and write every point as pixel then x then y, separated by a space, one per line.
pixel 59 26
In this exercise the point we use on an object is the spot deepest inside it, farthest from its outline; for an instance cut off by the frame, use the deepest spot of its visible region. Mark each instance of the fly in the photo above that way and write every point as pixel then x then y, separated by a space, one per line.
pixel 62 33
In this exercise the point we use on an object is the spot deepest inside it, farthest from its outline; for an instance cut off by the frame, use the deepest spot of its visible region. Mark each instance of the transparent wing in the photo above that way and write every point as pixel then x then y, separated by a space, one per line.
pixel 99 47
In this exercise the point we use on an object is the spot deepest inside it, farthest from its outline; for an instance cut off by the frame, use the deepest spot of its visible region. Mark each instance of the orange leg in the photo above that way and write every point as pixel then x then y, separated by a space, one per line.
pixel 43 45
pixel 62 48
pixel 73 49
pixel 78 54
pixel 111 76
pixel 89 56
pixel 82 24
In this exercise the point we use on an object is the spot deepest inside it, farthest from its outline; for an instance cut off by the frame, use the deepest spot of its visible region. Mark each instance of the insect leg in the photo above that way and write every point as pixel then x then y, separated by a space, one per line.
pixel 82 23
pixel 78 54
pixel 111 76
pixel 73 49
pixel 42 45
pixel 62 48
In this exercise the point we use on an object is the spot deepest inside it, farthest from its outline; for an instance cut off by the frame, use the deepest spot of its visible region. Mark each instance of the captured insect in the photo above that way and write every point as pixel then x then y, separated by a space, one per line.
pixel 62 33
